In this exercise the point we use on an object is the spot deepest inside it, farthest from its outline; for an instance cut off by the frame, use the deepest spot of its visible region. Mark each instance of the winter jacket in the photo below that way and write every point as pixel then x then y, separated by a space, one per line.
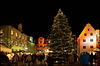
pixel 85 59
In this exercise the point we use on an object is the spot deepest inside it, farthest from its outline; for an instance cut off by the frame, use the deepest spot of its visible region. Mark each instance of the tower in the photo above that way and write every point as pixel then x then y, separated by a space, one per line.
pixel 20 27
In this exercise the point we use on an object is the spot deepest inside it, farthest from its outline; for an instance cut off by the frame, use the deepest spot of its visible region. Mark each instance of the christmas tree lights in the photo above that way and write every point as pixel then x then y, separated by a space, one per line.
pixel 60 37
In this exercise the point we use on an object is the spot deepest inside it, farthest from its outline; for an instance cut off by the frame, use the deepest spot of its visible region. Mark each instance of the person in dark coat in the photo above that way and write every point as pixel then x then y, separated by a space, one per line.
pixel 95 58
pixel 91 59
pixel 43 57
pixel 33 59
pixel 40 59
pixel 4 61
pixel 75 57
pixel 50 60
pixel 85 59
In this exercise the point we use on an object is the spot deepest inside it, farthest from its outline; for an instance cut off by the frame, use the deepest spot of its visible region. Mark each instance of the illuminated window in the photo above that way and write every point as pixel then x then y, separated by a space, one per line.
pixel 85 34
pixel 84 40
pixel 16 43
pixel 12 42
pixel 12 32
pixel 19 36
pixel 91 34
pixel 1 31
pixel 84 47
pixel 91 47
pixel 91 40
pixel 22 37
pixel 16 34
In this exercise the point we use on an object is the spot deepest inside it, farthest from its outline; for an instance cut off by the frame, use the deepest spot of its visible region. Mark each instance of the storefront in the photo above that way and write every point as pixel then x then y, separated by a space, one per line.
pixel 5 49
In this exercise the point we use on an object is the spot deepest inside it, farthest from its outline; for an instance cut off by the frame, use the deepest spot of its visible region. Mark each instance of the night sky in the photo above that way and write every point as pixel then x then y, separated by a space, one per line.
pixel 37 17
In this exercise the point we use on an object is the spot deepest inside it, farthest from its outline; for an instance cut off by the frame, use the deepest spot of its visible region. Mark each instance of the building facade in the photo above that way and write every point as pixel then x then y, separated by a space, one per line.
pixel 88 40
pixel 42 46
pixel 13 38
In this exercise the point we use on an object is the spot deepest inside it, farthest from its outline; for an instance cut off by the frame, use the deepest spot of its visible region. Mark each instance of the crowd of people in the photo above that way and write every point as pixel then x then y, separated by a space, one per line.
pixel 28 59
pixel 25 59
pixel 84 58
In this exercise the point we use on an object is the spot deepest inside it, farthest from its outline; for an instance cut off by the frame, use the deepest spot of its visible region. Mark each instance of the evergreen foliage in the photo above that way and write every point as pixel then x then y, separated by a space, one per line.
pixel 61 41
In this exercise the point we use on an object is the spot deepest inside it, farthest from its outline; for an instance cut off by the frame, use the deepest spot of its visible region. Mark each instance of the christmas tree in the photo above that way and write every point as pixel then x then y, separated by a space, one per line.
pixel 61 41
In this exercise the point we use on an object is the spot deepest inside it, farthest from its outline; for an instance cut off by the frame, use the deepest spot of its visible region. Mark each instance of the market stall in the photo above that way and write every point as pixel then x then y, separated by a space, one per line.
pixel 5 49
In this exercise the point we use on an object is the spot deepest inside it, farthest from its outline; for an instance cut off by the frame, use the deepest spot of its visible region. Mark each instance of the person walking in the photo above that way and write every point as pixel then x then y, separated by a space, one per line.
pixel 20 57
pixel 85 59
pixel 75 57
pixel 43 57
pixel 29 59
pixel 91 59
pixel 15 59
pixel 4 60
pixel 33 59
pixel 95 58
pixel 24 59
pixel 50 60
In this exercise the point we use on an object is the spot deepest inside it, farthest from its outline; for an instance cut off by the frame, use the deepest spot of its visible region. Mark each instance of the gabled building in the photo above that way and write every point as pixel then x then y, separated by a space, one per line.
pixel 88 40
pixel 42 45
